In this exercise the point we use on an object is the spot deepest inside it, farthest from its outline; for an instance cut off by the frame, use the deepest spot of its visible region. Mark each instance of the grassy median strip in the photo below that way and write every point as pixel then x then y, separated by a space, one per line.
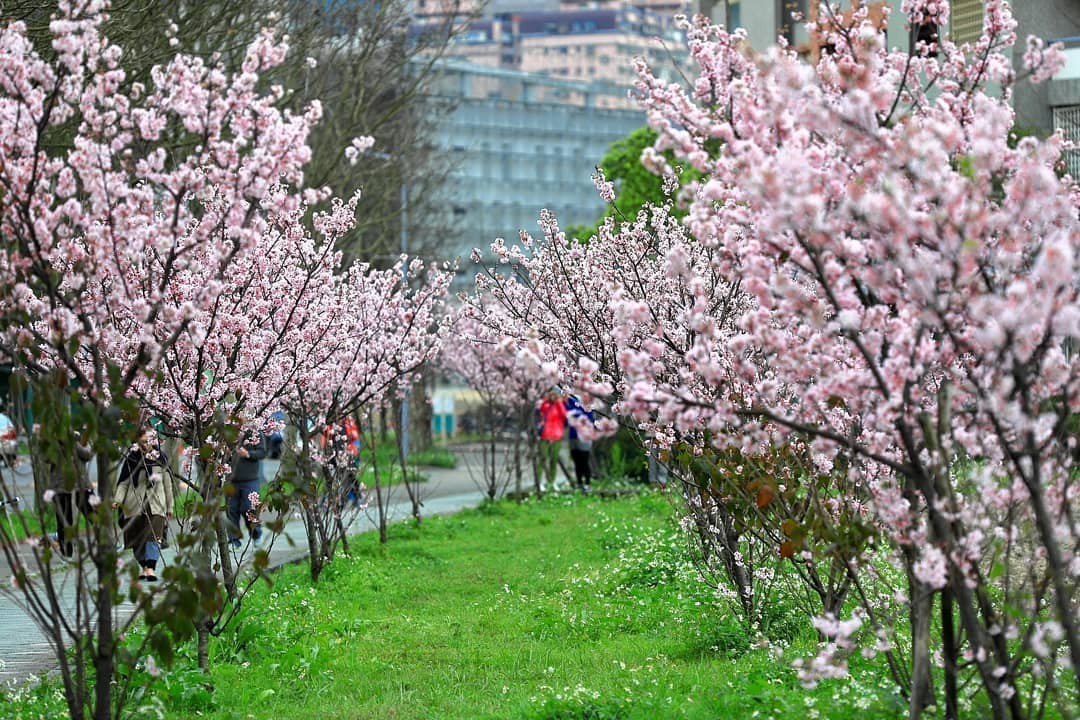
pixel 569 607
pixel 564 608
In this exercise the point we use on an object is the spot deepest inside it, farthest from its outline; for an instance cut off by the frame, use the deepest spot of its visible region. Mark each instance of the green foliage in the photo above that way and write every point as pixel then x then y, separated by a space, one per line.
pixel 635 186
pixel 32 701
pixel 24 523
pixel 622 456
pixel 434 457
pixel 600 614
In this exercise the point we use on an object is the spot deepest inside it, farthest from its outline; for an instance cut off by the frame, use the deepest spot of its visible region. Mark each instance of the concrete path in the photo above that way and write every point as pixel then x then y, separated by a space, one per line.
pixel 24 651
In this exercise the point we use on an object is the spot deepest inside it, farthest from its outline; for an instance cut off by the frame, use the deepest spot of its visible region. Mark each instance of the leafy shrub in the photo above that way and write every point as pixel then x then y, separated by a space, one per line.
pixel 434 457
pixel 577 708
pixel 728 638
pixel 622 456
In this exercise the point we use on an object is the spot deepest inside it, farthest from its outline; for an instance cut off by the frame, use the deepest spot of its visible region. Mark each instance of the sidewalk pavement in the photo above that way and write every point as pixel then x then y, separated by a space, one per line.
pixel 24 651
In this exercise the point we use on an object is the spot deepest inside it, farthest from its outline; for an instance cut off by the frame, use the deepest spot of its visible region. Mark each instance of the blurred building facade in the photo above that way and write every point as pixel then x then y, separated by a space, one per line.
pixel 539 91
pixel 588 44
pixel 521 142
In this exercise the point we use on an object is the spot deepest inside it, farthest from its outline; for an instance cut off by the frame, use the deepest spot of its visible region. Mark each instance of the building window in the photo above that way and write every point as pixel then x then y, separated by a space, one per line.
pixel 792 14
pixel 1067 120
pixel 507 162
pixel 966 21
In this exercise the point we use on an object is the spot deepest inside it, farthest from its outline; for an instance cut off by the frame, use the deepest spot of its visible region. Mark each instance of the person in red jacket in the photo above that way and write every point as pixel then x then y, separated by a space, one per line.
pixel 341 442
pixel 552 427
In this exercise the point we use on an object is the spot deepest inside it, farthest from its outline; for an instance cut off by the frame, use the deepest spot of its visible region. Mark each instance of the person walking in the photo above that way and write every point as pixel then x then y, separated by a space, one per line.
pixel 71 489
pixel 144 497
pixel 552 427
pixel 341 444
pixel 245 483
pixel 580 447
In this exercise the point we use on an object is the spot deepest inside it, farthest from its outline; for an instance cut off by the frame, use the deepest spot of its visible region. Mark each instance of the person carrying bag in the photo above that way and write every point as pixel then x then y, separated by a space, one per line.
pixel 145 499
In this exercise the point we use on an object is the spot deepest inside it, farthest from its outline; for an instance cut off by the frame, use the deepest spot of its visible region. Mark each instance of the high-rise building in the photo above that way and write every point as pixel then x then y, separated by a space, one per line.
pixel 576 42
pixel 540 91
pixel 521 142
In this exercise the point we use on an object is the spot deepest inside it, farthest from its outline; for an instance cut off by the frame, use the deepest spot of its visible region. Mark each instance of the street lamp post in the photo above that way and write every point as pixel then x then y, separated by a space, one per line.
pixel 404 200
pixel 404 279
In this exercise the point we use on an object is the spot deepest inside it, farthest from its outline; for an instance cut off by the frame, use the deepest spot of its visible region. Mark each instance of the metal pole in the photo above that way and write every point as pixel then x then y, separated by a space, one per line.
pixel 404 284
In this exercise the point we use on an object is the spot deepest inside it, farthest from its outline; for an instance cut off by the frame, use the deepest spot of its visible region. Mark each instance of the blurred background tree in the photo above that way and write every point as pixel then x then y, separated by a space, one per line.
pixel 368 64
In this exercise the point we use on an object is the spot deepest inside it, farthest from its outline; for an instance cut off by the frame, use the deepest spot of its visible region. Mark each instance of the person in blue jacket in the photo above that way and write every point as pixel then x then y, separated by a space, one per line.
pixel 580 448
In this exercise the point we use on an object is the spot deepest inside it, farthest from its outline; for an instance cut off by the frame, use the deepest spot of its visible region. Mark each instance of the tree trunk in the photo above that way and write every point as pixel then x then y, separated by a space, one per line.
pixel 412 489
pixel 949 649
pixel 420 413
pixel 380 501
pixel 314 556
pixel 204 643
pixel 382 515
pixel 105 657
pixel 206 537
pixel 489 470
pixel 922 684
pixel 1063 594
pixel 228 571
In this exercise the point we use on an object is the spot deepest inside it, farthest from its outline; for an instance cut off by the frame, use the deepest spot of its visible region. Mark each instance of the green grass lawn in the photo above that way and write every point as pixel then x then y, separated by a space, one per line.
pixel 566 608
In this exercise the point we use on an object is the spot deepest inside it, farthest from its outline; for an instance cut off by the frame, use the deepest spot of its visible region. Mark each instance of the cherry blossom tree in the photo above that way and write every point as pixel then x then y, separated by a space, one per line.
pixel 247 344
pixel 913 278
pixel 507 388
pixel 634 310
pixel 102 230
pixel 910 319
pixel 393 324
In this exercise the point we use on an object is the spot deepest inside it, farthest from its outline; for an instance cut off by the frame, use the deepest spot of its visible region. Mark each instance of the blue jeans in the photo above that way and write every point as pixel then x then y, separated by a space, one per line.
pixel 150 553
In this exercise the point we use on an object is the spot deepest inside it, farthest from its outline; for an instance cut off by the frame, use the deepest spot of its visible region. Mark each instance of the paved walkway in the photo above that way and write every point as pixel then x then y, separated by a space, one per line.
pixel 25 652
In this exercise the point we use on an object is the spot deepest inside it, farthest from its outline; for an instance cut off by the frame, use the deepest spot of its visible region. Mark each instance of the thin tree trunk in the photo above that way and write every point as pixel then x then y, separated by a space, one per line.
pixel 206 537
pixel 379 500
pixel 949 649
pixel 410 490
pixel 228 571
pixel 492 479
pixel 105 657
pixel 314 556
pixel 204 643
pixel 420 413
pixel 922 684
pixel 1063 597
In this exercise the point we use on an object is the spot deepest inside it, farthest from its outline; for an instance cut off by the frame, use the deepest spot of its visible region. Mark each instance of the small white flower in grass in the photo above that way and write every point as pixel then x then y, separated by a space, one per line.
pixel 311 62
pixel 48 496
